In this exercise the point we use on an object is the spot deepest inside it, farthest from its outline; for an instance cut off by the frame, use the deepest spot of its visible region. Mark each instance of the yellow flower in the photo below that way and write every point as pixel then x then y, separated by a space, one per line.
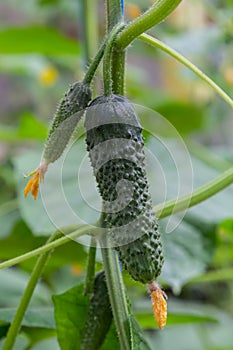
pixel 33 184
pixel 159 304
pixel 48 76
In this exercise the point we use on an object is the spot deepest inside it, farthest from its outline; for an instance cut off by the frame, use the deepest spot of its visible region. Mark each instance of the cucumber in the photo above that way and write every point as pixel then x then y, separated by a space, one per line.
pixel 116 150
pixel 67 116
pixel 99 316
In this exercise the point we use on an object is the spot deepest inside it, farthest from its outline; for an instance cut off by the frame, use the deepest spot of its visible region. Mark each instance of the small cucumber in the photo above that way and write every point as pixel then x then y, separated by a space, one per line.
pixel 67 116
pixel 99 317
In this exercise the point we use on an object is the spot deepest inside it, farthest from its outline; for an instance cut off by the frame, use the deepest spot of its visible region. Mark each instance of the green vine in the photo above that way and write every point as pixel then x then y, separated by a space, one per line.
pixel 160 45
pixel 70 233
pixel 25 300
pixel 107 63
pixel 154 15
pixel 116 292
pixel 197 196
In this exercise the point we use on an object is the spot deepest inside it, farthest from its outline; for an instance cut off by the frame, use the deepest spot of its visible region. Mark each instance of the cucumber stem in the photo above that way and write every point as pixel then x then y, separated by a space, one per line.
pixel 94 64
pixel 107 60
pixel 197 196
pixel 116 292
pixel 70 233
pixel 154 15
pixel 90 276
pixel 160 45
pixel 25 300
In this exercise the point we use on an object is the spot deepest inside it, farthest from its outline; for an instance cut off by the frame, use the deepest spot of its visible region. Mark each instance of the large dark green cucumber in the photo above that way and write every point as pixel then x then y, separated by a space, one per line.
pixel 99 317
pixel 116 149
pixel 67 116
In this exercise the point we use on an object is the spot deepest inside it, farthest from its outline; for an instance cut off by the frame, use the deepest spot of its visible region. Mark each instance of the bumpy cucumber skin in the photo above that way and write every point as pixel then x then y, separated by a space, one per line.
pixel 67 116
pixel 134 229
pixel 99 317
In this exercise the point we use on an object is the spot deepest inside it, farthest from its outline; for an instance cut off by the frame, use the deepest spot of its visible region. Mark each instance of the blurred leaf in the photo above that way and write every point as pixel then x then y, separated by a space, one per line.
pixel 47 41
pixel 226 226
pixel 8 220
pixel 147 320
pixel 48 344
pixel 70 311
pixel 21 240
pixel 196 336
pixel 30 128
pixel 111 340
pixel 48 2
pixel 38 334
pixel 185 255
pixel 21 343
pixel 34 317
pixel 178 112
pixel 12 286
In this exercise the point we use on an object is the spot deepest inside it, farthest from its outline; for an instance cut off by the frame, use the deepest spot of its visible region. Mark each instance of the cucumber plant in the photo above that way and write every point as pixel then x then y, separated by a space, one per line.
pixel 127 229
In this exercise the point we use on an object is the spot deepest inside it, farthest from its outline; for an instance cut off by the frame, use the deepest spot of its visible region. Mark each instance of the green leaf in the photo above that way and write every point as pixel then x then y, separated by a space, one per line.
pixel 21 343
pixel 177 113
pixel 21 240
pixel 35 317
pixel 138 341
pixel 47 344
pixel 185 254
pixel 226 227
pixel 147 320
pixel 70 315
pixel 35 39
pixel 29 128
pixel 12 286
pixel 204 335
pixel 8 221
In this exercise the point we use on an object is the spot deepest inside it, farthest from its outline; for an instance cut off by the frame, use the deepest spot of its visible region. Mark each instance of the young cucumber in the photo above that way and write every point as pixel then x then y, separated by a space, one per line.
pixel 116 149
pixel 67 116
pixel 99 316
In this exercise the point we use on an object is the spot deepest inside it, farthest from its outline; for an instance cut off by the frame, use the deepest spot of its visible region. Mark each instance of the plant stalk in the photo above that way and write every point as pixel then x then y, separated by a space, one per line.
pixel 25 300
pixel 107 63
pixel 154 15
pixel 90 276
pixel 197 196
pixel 160 45
pixel 116 292
pixel 84 229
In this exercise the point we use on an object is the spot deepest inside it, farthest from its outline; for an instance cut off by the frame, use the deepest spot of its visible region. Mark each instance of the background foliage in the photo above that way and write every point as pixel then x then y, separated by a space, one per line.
pixel 41 52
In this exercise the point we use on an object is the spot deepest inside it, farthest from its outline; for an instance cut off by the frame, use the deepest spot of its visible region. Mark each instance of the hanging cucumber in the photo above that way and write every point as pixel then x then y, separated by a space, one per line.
pixel 116 149
pixel 69 113
pixel 99 317
pixel 67 116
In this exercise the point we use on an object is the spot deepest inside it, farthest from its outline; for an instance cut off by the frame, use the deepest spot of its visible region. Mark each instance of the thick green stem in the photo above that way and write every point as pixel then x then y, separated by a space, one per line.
pixel 90 276
pixel 118 71
pixel 114 13
pixel 111 265
pixel 156 13
pixel 160 45
pixel 84 229
pixel 197 196
pixel 107 66
pixel 36 274
pixel 116 292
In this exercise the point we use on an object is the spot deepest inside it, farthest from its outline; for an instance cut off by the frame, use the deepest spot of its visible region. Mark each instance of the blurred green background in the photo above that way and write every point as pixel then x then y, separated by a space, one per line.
pixel 42 51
